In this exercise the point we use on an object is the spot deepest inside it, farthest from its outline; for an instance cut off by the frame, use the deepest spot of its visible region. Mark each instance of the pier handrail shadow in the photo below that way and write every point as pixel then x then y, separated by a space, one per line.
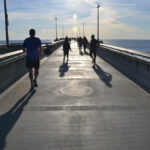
pixel 9 119
pixel 63 69
pixel 104 76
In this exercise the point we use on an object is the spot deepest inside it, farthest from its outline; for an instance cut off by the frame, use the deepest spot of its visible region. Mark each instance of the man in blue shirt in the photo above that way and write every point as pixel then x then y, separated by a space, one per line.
pixel 32 46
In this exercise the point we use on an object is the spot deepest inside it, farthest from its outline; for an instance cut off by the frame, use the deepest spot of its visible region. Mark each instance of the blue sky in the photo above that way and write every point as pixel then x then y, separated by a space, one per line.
pixel 119 19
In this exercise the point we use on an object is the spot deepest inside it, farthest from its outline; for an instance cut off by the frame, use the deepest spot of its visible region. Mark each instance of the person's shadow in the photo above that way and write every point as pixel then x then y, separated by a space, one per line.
pixel 8 120
pixel 104 76
pixel 63 69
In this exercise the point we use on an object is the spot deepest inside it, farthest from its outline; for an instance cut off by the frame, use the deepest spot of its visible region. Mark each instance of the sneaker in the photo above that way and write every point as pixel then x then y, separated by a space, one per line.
pixel 35 83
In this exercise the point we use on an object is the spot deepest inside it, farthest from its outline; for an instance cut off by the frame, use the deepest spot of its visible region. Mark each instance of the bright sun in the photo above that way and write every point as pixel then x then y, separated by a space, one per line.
pixel 75 29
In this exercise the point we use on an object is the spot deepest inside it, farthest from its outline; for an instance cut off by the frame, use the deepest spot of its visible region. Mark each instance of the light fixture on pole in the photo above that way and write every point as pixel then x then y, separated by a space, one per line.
pixel 56 27
pixel 63 32
pixel 79 31
pixel 83 29
pixel 98 22
pixel 6 23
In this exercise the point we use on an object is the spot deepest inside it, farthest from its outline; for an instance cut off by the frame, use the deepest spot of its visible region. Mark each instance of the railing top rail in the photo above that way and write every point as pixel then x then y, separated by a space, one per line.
pixel 17 52
pixel 130 52
pixel 12 59
pixel 11 54
pixel 8 57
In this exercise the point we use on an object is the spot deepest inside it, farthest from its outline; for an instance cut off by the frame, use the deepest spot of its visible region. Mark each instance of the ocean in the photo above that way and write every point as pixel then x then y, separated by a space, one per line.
pixel 139 45
pixel 21 41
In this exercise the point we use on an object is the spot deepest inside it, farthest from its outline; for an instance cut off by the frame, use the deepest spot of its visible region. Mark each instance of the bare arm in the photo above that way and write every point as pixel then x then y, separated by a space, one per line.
pixel 63 47
pixel 24 50
pixel 41 50
pixel 70 47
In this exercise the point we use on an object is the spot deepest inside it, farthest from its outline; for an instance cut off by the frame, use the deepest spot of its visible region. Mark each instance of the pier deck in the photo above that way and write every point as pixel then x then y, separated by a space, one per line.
pixel 77 106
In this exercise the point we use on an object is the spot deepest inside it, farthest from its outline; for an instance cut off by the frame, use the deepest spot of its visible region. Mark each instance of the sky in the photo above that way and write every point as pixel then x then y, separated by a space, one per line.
pixel 119 19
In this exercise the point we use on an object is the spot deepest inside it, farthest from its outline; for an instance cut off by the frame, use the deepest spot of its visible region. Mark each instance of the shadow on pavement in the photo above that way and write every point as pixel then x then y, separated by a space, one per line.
pixel 104 76
pixel 63 69
pixel 8 120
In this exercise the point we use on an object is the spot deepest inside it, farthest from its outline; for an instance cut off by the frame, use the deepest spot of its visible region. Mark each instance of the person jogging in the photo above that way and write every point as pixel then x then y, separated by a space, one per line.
pixel 66 48
pixel 32 46
pixel 93 49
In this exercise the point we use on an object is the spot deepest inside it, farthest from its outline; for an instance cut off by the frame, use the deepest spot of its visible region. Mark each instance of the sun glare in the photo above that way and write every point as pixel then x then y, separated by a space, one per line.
pixel 75 16
pixel 75 29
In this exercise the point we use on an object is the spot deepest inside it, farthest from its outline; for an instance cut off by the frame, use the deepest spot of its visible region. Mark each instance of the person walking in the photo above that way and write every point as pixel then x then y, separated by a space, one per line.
pixel 32 46
pixel 80 44
pixel 85 41
pixel 66 48
pixel 93 48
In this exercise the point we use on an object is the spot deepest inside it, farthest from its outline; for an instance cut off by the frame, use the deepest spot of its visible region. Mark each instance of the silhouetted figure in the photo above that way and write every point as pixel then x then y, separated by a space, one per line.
pixel 93 48
pixel 80 43
pixel 32 46
pixel 85 42
pixel 66 48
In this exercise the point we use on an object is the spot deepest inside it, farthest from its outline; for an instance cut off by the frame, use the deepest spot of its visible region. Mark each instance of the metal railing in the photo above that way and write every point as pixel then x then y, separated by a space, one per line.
pixel 129 52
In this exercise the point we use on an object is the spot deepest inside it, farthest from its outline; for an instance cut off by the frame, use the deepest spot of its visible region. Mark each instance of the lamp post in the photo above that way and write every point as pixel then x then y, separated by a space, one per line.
pixel 56 27
pixel 63 32
pixel 6 23
pixel 98 22
pixel 83 29
pixel 79 31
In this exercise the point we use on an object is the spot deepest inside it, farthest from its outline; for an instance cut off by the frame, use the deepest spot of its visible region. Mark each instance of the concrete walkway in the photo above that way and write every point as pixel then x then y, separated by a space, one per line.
pixel 76 107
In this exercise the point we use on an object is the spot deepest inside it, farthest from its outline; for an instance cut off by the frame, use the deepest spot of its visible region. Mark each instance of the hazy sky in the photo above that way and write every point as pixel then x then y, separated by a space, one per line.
pixel 119 19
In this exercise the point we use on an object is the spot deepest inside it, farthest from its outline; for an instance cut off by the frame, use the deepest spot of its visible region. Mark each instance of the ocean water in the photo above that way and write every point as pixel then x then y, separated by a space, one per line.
pixel 139 45
pixel 21 41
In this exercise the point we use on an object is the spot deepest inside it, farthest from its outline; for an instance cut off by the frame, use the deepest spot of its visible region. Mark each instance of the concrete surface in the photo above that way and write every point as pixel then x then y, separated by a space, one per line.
pixel 136 65
pixel 12 67
pixel 76 107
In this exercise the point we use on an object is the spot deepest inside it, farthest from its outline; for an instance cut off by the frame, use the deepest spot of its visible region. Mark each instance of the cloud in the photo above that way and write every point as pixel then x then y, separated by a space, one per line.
pixel 111 25
pixel 118 18
pixel 27 16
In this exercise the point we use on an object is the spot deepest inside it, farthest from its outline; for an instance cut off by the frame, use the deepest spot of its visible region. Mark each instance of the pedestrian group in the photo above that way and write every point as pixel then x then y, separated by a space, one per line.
pixel 33 47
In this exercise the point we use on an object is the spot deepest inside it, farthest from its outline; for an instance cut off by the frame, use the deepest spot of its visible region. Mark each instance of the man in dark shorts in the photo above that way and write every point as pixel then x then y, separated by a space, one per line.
pixel 93 49
pixel 66 48
pixel 32 46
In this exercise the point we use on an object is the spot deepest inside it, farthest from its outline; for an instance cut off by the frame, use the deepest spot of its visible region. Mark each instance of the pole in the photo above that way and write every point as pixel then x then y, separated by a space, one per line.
pixel 6 23
pixel 56 27
pixel 63 31
pixel 98 22
pixel 79 31
pixel 83 29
